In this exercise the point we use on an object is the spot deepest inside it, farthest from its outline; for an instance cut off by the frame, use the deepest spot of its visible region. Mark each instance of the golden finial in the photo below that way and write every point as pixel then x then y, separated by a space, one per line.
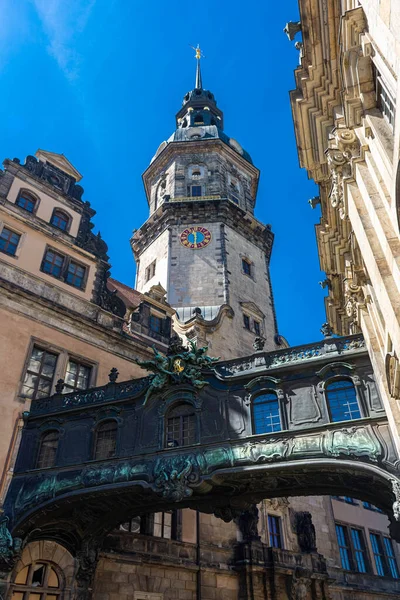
pixel 199 53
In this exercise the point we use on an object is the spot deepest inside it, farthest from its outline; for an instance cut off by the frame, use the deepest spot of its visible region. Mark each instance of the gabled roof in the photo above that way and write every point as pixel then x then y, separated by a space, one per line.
pixel 131 297
pixel 59 161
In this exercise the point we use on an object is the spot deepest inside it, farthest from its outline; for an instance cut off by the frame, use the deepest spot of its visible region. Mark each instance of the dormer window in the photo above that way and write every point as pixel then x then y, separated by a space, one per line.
pixel 196 191
pixel 27 201
pixel 60 219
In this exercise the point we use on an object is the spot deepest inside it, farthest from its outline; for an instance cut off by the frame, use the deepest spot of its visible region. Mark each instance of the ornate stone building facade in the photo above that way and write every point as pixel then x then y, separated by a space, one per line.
pixel 189 451
pixel 347 131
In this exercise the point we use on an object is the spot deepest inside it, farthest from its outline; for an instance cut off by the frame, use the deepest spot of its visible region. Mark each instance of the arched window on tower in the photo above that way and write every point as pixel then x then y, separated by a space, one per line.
pixel 105 440
pixel 180 426
pixel 342 400
pixel 47 454
pixel 38 581
pixel 266 413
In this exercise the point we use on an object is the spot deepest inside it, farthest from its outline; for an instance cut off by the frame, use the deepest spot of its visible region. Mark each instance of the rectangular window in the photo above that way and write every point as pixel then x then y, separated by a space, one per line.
pixel 344 547
pixel 246 321
pixel 77 376
pixel 385 100
pixel 155 324
pixel 370 506
pixel 274 529
pixel 9 241
pixel 53 264
pixel 196 191
pixel 257 328
pixel 75 274
pixel 150 271
pixel 39 374
pixel 385 560
pixel 246 267
pixel 379 556
pixel 360 551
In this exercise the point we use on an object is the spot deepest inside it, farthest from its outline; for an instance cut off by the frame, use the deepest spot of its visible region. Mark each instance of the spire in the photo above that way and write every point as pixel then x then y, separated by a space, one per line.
pixel 199 55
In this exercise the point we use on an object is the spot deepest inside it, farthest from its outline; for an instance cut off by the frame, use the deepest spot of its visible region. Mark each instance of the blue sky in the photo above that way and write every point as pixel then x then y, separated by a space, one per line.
pixel 101 80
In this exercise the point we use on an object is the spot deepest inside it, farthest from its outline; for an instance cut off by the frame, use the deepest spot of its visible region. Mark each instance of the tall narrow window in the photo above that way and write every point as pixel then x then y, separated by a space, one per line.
pixel 9 241
pixel 385 99
pixel 48 450
pixel 60 219
pixel 360 551
pixel 246 321
pixel 26 201
pixel 246 267
pixel 181 426
pixel 257 328
pixel 75 274
pixel 106 440
pixel 390 557
pixel 77 376
pixel 274 530
pixel 39 374
pixel 342 400
pixel 53 263
pixel 266 414
pixel 344 547
pixel 385 560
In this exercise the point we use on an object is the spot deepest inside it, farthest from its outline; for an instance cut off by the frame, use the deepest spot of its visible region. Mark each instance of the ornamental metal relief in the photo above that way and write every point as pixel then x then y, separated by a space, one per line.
pixel 181 365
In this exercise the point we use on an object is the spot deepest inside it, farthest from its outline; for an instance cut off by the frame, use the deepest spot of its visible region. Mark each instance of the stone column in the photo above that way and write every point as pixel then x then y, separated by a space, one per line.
pixel 250 558
pixel 87 558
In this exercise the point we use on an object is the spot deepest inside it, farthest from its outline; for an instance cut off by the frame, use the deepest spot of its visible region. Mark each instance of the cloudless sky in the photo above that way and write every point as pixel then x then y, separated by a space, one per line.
pixel 101 80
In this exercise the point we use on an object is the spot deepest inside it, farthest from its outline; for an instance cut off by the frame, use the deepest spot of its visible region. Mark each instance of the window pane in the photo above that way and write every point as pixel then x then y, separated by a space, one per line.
pixel 38 574
pixel 22 576
pixel 274 528
pixel 34 596
pixel 26 202
pixel 53 263
pixel 52 580
pixel 48 450
pixel 378 553
pixel 266 414
pixel 9 241
pixel 387 542
pixel 344 547
pixel 17 596
pixel 342 400
pixel 359 550
pixel 106 440
pixel 39 374
pixel 75 275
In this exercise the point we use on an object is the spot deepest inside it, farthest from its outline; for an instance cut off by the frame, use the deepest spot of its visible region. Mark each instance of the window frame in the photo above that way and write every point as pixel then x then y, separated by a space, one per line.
pixel 335 380
pixel 282 421
pixel 67 260
pixel 248 270
pixel 81 363
pixel 385 95
pixel 351 548
pixel 279 535
pixel 45 590
pixel 15 232
pixel 246 320
pixel 387 570
pixel 68 217
pixel 152 318
pixel 43 435
pixel 196 185
pixel 169 443
pixel 100 424
pixel 46 349
pixel 31 196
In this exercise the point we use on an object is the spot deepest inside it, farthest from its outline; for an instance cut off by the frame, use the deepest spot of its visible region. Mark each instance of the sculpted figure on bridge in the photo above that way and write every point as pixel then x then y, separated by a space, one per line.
pixel 181 365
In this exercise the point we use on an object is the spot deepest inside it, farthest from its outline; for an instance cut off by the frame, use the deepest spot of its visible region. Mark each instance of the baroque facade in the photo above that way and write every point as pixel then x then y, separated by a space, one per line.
pixel 117 485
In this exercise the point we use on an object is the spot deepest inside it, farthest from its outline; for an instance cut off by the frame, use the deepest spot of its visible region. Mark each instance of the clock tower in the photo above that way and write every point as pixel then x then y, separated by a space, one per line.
pixel 201 241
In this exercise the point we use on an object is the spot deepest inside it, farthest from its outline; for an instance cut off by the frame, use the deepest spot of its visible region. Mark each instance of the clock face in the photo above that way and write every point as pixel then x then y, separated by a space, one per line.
pixel 195 237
